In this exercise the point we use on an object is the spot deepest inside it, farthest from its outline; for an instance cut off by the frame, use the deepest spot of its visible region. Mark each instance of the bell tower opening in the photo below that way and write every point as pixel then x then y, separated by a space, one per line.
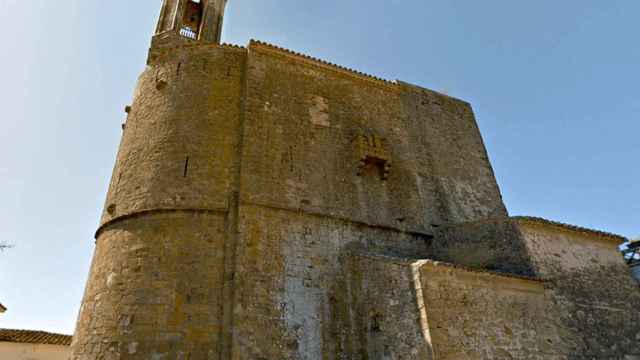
pixel 192 19
pixel 199 20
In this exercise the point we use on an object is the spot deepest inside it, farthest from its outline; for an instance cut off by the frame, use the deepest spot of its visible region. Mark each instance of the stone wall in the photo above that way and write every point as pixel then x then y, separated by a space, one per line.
pixel 246 181
pixel 290 281
pixel 480 315
pixel 299 151
pixel 179 144
pixel 305 201
pixel 159 281
pixel 595 296
pixel 155 289
pixel 453 156
pixel 495 244
pixel 589 289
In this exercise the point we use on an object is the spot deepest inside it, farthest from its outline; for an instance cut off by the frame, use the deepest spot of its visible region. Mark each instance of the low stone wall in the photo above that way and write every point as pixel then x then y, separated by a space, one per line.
pixel 482 315
pixel 591 289
pixel 404 308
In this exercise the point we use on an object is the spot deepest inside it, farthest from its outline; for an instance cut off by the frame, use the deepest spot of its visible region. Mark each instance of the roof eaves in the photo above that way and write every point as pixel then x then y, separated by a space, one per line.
pixel 34 337
pixel 322 63
pixel 575 228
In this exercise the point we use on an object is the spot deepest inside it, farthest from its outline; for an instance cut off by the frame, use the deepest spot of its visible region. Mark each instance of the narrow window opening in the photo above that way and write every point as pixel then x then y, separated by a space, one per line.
pixel 376 323
pixel 186 167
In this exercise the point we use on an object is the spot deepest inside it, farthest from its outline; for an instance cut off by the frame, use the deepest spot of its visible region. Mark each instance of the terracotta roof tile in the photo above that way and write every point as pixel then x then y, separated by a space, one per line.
pixel 34 337
pixel 257 43
pixel 542 221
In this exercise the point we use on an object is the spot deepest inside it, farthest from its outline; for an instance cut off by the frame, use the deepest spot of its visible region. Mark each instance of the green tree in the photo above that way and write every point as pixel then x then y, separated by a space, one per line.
pixel 631 252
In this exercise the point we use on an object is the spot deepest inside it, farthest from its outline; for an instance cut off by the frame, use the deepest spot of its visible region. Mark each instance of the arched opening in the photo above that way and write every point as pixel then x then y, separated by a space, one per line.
pixel 192 19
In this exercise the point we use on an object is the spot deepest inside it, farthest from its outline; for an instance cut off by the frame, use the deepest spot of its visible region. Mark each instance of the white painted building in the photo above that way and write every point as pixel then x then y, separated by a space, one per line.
pixel 33 345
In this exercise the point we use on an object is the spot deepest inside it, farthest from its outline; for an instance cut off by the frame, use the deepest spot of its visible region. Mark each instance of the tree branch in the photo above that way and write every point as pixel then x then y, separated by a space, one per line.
pixel 4 246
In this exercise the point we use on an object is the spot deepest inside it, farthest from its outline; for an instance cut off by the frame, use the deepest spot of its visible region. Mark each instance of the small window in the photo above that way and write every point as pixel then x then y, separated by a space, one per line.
pixel 373 155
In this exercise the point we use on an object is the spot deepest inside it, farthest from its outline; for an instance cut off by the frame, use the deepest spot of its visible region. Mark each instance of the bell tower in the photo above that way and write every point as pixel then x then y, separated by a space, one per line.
pixel 161 283
pixel 199 20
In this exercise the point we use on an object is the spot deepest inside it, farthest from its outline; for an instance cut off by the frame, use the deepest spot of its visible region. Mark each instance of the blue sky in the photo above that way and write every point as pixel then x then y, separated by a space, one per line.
pixel 553 84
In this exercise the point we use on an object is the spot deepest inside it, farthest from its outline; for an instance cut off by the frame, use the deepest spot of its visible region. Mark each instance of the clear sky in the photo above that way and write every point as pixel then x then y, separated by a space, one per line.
pixel 554 85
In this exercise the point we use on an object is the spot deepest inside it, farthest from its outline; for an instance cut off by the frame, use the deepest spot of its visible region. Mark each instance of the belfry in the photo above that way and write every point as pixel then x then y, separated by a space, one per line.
pixel 199 20
pixel 265 204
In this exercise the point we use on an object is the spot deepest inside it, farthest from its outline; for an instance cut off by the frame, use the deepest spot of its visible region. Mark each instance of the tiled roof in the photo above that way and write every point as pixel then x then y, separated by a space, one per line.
pixel 34 337
pixel 320 62
pixel 542 221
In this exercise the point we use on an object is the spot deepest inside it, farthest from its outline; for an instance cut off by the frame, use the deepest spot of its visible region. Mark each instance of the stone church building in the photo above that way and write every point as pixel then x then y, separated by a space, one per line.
pixel 269 205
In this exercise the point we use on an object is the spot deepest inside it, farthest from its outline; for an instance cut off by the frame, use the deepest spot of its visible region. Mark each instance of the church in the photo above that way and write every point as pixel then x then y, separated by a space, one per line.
pixel 267 205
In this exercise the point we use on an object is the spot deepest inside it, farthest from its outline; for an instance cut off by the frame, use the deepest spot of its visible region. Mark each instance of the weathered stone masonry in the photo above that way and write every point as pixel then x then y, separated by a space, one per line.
pixel 268 205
